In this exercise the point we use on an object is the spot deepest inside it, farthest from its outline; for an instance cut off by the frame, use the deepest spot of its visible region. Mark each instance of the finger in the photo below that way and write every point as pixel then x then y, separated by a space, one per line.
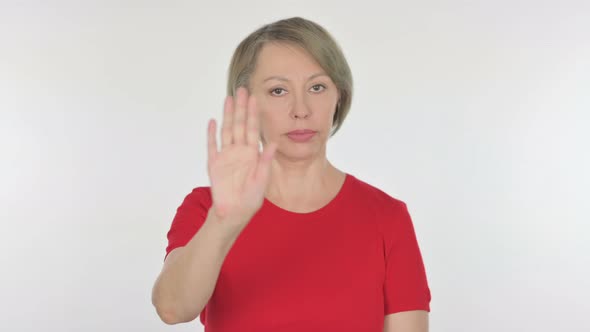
pixel 263 168
pixel 226 126
pixel 212 140
pixel 240 116
pixel 252 123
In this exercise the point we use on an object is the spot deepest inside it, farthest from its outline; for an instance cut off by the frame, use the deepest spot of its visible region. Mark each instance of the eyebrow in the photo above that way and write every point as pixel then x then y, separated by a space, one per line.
pixel 281 78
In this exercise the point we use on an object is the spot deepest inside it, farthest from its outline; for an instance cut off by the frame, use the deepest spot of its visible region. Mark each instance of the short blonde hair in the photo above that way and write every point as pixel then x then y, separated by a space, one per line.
pixel 314 39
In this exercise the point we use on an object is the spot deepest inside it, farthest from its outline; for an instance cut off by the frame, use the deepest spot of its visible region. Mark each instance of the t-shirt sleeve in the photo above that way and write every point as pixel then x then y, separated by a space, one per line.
pixel 189 218
pixel 406 285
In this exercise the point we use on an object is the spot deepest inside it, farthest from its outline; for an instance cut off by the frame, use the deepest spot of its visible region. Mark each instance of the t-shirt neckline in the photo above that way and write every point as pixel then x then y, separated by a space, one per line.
pixel 321 211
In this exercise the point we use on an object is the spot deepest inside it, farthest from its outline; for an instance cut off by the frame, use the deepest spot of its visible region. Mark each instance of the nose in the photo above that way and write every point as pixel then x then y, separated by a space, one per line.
pixel 300 110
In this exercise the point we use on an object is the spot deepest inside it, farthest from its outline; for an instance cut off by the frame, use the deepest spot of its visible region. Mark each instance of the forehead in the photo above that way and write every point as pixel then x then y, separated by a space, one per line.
pixel 287 60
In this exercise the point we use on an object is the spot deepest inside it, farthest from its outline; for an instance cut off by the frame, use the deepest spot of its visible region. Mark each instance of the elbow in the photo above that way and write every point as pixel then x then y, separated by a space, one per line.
pixel 169 310
pixel 171 317
pixel 170 314
pixel 167 316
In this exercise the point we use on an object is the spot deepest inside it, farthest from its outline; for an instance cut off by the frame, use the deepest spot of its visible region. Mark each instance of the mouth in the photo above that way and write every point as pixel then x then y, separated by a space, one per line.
pixel 301 132
pixel 301 136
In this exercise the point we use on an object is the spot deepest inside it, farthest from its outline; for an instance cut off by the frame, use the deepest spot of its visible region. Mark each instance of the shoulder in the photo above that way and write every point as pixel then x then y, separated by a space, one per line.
pixel 389 212
pixel 189 217
pixel 376 197
pixel 200 195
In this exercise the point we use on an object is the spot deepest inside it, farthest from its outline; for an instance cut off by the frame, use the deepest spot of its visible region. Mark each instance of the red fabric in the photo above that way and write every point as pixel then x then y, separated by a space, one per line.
pixel 340 268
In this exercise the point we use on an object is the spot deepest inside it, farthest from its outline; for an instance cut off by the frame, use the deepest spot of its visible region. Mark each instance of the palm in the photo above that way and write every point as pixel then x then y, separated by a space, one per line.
pixel 239 173
pixel 232 174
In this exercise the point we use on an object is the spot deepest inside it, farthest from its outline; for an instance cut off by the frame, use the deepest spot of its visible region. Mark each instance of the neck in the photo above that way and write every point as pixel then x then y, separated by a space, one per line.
pixel 302 178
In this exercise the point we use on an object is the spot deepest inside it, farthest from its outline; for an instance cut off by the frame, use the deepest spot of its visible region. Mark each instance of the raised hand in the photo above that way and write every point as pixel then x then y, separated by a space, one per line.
pixel 239 173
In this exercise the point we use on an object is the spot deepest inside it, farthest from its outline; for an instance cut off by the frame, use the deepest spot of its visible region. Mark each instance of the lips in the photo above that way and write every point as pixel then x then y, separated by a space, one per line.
pixel 301 132
pixel 301 135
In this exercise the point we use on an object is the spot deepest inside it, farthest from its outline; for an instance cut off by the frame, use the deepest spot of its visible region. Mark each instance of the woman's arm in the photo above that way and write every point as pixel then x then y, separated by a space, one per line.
pixel 190 273
pixel 406 321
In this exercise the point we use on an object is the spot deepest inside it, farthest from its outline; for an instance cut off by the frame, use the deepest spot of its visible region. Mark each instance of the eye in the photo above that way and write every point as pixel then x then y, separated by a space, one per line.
pixel 276 89
pixel 317 85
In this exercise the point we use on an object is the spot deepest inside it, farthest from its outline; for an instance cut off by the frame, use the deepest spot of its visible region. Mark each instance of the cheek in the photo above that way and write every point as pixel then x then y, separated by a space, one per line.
pixel 275 105
pixel 270 113
pixel 327 110
pixel 265 119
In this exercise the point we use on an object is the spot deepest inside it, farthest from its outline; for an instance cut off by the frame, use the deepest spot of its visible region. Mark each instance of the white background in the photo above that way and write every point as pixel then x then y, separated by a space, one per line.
pixel 475 113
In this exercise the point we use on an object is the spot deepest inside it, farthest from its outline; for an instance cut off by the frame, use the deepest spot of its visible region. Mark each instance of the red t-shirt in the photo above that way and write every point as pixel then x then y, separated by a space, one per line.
pixel 342 267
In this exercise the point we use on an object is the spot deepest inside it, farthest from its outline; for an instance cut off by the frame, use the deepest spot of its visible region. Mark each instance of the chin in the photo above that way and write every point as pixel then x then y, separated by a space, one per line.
pixel 300 151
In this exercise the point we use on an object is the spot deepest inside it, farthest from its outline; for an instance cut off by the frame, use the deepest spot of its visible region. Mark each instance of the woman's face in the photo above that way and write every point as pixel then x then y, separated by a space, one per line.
pixel 293 93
